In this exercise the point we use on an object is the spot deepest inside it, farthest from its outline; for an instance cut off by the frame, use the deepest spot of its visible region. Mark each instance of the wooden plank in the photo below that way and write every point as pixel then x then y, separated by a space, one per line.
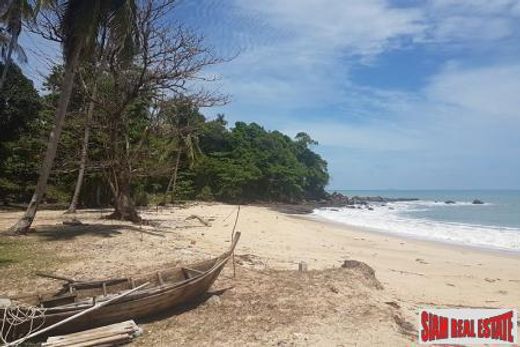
pixel 89 335
pixel 193 270
pixel 128 329
pixel 87 339
pixel 123 337
pixel 126 324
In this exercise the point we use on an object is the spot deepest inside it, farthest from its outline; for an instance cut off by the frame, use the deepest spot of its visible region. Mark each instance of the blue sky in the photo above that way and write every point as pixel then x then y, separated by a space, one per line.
pixel 399 94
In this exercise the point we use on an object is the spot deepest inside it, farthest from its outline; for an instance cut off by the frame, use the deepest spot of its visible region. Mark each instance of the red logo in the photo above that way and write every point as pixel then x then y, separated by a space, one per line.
pixel 468 326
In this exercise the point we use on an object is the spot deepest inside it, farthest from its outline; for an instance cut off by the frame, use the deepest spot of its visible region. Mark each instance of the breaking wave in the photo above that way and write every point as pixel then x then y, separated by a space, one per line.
pixel 398 218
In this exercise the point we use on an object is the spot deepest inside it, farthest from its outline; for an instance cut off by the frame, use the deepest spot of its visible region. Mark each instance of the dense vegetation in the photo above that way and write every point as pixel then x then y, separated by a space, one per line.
pixel 211 161
pixel 123 121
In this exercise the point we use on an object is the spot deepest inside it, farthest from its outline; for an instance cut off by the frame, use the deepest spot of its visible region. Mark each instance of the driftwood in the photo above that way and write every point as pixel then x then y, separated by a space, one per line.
pixel 114 334
pixel 200 219
pixel 55 277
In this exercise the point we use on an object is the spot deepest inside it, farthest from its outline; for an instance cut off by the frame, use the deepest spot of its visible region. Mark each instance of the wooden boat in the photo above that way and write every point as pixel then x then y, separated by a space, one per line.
pixel 168 289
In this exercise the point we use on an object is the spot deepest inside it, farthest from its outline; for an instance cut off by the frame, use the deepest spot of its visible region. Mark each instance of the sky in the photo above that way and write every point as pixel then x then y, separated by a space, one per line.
pixel 400 94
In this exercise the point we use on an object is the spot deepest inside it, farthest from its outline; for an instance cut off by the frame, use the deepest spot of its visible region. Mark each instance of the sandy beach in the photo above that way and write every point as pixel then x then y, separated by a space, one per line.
pixel 413 273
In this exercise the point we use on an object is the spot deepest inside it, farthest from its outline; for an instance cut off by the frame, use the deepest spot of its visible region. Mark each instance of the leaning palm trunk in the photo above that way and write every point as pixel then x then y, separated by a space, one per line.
pixel 10 50
pixel 173 180
pixel 23 225
pixel 83 160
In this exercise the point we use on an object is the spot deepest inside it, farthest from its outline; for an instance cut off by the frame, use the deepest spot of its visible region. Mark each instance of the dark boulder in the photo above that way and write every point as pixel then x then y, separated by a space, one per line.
pixel 478 202
pixel 449 202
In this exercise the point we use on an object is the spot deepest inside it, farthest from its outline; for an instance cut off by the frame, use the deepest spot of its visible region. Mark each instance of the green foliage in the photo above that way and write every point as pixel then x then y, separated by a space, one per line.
pixel 244 163
pixel 19 104
pixel 20 145
pixel 205 194
pixel 249 163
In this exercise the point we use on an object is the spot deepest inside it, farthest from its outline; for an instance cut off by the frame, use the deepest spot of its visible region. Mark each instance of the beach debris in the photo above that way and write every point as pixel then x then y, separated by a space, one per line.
pixel 406 328
pixel 393 304
pixel 109 335
pixel 249 260
pixel 302 266
pixel 200 219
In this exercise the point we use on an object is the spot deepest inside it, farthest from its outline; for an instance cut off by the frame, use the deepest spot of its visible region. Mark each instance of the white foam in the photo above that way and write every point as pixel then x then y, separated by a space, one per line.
pixel 390 219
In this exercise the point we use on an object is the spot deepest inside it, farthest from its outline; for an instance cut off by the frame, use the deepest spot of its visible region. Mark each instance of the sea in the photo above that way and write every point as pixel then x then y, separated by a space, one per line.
pixel 493 225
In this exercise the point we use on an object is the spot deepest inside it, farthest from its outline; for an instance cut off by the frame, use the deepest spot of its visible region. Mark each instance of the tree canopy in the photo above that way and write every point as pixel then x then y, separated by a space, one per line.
pixel 241 163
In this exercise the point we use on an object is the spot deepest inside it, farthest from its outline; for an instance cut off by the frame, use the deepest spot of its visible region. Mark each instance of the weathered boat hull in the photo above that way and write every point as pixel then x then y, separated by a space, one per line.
pixel 173 289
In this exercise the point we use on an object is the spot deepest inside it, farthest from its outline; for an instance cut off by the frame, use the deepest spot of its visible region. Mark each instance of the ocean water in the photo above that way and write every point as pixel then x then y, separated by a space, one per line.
pixel 495 224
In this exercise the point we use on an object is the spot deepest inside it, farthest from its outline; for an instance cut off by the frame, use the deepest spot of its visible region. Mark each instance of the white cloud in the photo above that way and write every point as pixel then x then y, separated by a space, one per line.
pixel 360 27
pixel 480 92
pixel 470 21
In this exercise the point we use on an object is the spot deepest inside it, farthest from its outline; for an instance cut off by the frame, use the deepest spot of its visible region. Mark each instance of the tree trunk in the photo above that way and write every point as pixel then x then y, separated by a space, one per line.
pixel 98 195
pixel 10 49
pixel 84 154
pixel 173 180
pixel 4 6
pixel 23 225
pixel 124 204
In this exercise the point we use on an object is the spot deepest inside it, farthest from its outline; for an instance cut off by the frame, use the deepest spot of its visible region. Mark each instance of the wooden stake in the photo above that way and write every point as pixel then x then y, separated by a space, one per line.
pixel 232 237
pixel 302 266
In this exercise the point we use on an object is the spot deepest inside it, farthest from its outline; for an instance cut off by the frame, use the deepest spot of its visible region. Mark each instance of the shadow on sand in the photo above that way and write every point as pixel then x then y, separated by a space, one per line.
pixel 184 308
pixel 69 232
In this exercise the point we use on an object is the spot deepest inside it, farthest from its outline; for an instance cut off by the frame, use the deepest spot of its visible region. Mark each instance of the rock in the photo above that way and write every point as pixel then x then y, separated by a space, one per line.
pixel 449 202
pixel 213 300
pixel 370 208
pixel 478 202
pixel 334 289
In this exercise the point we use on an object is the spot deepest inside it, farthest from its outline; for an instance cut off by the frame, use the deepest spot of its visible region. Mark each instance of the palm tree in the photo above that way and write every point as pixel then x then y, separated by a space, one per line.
pixel 13 13
pixel 185 123
pixel 80 25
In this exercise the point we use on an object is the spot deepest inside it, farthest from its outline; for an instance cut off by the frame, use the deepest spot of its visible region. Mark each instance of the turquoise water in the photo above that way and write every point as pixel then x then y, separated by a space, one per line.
pixel 495 224
pixel 501 208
